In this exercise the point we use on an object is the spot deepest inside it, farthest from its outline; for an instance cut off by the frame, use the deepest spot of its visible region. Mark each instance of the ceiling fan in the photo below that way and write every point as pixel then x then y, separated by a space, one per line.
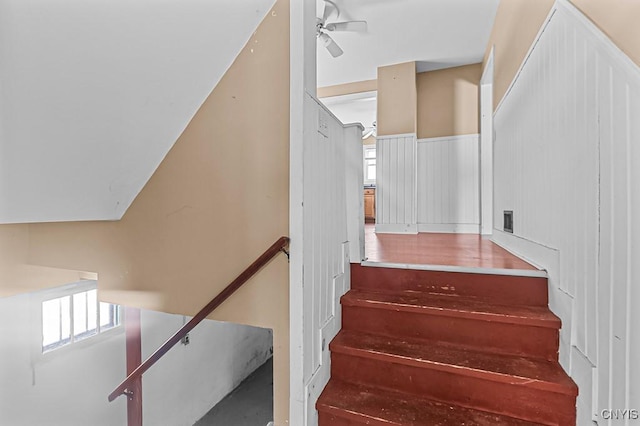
pixel 322 27
pixel 370 131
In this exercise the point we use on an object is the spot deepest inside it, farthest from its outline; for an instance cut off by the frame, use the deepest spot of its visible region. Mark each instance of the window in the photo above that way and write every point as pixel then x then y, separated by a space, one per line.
pixel 76 316
pixel 369 164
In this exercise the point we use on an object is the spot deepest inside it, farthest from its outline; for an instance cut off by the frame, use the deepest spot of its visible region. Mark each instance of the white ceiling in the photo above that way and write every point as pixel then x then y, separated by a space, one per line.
pixel 94 93
pixel 437 33
pixel 354 108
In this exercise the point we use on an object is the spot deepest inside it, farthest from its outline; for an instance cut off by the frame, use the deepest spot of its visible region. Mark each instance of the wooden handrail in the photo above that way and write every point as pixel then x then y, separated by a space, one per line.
pixel 123 388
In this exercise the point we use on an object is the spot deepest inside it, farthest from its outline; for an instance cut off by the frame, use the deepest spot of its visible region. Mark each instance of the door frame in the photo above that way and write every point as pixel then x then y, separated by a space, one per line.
pixel 486 147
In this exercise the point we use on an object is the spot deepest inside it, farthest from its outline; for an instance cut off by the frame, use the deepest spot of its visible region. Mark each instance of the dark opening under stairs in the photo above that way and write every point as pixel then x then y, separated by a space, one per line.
pixel 445 348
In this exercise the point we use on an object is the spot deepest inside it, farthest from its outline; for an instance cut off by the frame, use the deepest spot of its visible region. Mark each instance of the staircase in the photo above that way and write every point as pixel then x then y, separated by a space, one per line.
pixel 445 348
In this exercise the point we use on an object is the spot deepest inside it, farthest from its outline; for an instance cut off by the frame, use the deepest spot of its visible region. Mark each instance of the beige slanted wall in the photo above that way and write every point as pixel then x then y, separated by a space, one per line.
pixel 215 203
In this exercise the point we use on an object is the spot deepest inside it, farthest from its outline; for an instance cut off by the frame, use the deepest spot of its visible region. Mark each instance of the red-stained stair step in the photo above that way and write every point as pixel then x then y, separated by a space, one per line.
pixel 344 404
pixel 499 289
pixel 532 389
pixel 531 331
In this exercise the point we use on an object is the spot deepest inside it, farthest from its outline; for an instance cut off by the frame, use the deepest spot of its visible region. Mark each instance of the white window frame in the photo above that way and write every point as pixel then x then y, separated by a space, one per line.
pixel 365 161
pixel 74 341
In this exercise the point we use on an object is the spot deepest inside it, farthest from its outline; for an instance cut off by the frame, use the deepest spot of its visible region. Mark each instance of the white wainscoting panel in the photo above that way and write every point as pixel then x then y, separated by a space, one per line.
pixel 326 275
pixel 396 184
pixel 448 184
pixel 567 162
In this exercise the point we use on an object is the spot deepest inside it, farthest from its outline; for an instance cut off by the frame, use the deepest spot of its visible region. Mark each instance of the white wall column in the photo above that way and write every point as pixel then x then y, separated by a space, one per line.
pixel 486 148
pixel 303 80
pixel 354 184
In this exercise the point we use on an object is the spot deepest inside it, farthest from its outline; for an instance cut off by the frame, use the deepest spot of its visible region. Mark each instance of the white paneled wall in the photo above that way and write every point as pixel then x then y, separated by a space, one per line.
pixel 396 184
pixel 567 162
pixel 448 184
pixel 325 244
pixel 428 185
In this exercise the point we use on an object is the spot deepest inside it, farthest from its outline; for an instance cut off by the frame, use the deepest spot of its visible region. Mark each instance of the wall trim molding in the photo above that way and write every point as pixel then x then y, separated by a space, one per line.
pixel 449 228
pixel 399 135
pixel 547 259
pixel 536 39
pixel 622 59
pixel 519 246
pixel 449 138
pixel 397 228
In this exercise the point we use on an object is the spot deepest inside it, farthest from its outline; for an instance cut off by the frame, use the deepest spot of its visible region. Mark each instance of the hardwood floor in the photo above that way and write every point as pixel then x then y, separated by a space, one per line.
pixel 463 250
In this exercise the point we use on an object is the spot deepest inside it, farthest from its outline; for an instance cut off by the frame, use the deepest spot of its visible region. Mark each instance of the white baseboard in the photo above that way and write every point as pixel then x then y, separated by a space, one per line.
pixel 583 372
pixel 397 228
pixel 548 259
pixel 540 256
pixel 450 228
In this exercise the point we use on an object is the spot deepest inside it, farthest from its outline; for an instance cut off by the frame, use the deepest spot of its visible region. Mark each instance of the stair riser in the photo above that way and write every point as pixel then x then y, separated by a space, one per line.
pixel 325 419
pixel 497 397
pixel 501 289
pixel 506 338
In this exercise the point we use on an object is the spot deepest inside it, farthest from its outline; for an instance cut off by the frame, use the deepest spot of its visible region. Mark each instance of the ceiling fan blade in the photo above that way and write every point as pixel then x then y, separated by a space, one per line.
pixel 368 133
pixel 357 26
pixel 331 45
pixel 329 7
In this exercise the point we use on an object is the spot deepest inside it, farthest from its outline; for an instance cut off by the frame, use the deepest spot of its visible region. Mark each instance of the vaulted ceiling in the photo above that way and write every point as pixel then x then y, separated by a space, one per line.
pixel 93 94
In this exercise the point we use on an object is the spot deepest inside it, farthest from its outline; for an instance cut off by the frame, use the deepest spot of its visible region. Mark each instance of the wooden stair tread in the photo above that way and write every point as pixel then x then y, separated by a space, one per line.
pixel 517 370
pixel 373 406
pixel 502 289
pixel 453 306
pixel 439 349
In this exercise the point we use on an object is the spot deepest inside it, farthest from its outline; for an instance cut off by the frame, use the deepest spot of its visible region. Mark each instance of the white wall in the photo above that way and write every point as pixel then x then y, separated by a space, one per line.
pixel 567 162
pixel 94 94
pixel 190 379
pixel 428 185
pixel 69 386
pixel 65 387
pixel 448 184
